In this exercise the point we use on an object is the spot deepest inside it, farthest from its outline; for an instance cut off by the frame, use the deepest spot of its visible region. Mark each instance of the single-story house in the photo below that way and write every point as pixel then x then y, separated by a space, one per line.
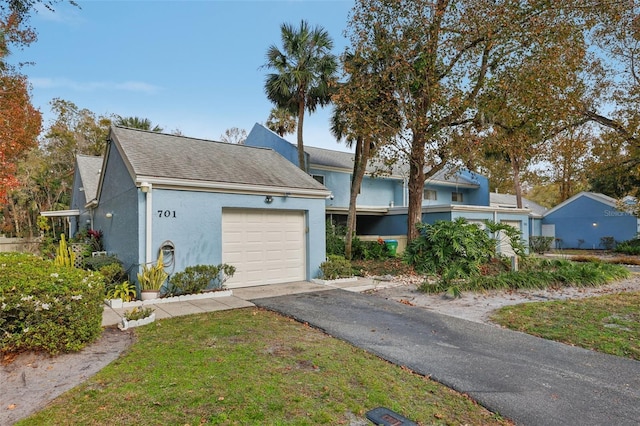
pixel 383 199
pixel 203 202
pixel 585 219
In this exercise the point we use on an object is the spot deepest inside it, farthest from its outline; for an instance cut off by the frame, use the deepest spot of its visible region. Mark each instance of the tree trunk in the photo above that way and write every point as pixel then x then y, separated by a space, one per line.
pixel 516 180
pixel 301 157
pixel 359 168
pixel 416 186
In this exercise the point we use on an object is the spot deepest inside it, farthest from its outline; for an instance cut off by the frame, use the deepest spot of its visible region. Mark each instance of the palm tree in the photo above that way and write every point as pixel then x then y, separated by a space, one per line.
pixel 137 123
pixel 304 73
pixel 281 121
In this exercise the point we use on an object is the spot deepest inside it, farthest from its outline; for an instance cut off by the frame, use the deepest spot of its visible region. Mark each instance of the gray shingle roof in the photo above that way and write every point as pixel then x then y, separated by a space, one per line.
pixel 344 160
pixel 159 155
pixel 89 170
pixel 509 200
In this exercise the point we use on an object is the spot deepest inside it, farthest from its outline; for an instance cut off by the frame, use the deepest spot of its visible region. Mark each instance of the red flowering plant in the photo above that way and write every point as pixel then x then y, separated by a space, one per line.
pixel 95 239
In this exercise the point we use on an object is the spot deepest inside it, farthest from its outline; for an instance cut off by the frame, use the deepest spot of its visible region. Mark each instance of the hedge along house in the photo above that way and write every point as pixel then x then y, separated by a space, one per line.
pixel 205 202
pixel 383 199
pixel 585 219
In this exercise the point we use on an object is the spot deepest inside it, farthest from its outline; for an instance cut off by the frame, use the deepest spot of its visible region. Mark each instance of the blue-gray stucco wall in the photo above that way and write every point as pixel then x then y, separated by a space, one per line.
pixel 121 198
pixel 590 220
pixel 78 201
pixel 260 136
pixel 194 224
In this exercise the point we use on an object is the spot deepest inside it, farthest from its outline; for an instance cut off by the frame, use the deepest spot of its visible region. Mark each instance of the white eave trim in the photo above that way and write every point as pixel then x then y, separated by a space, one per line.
pixel 231 188
pixel 366 211
pixel 60 213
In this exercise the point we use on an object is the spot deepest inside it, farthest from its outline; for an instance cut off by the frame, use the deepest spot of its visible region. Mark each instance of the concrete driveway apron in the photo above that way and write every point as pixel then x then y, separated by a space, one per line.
pixel 529 380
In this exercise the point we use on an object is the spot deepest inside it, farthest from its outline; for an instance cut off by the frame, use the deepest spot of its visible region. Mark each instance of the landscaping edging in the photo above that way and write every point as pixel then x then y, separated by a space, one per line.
pixel 183 298
pixel 125 324
pixel 336 281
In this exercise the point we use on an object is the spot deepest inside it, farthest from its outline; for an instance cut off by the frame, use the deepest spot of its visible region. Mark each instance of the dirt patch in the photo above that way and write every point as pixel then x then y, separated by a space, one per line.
pixel 478 307
pixel 30 381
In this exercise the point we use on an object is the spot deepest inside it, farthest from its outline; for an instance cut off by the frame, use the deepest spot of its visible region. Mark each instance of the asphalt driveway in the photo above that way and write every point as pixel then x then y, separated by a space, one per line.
pixel 529 380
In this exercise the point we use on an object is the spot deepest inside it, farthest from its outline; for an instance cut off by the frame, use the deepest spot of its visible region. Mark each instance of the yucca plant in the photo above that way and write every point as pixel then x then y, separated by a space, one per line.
pixel 152 277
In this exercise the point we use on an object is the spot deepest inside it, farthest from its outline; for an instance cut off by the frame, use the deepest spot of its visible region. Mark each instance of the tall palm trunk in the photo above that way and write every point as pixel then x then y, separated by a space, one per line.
pixel 301 159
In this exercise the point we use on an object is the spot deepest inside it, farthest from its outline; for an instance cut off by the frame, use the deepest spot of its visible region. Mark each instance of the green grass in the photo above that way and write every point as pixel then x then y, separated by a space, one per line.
pixel 539 274
pixel 250 366
pixel 608 324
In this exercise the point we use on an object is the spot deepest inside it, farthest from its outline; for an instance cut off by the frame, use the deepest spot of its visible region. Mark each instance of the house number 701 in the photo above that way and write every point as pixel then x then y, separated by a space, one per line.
pixel 166 213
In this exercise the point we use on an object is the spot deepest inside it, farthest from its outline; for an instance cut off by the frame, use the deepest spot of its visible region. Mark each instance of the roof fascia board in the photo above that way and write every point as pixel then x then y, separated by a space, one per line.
pixel 181 184
pixel 60 213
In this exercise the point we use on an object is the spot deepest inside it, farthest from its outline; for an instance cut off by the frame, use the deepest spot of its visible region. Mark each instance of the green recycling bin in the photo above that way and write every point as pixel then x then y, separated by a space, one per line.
pixel 392 246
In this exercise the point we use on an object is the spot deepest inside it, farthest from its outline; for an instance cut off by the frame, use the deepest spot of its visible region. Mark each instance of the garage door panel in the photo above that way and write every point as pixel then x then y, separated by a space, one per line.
pixel 266 247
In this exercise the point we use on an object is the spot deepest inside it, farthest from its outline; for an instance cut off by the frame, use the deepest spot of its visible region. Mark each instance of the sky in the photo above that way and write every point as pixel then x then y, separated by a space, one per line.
pixel 189 65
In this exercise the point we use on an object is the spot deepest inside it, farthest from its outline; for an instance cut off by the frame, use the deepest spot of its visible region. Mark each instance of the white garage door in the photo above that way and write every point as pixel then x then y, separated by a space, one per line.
pixel 265 246
pixel 504 243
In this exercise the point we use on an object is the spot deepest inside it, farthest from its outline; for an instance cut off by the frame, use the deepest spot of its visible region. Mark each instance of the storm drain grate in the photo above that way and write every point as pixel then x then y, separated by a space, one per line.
pixel 385 417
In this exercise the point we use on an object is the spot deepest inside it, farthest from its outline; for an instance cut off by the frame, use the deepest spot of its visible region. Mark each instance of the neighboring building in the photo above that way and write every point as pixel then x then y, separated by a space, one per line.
pixel 584 219
pixel 204 202
pixel 83 196
pixel 536 211
pixel 383 198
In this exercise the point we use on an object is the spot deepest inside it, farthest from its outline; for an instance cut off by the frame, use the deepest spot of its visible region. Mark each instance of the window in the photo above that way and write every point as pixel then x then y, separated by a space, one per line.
pixel 456 197
pixel 319 178
pixel 430 194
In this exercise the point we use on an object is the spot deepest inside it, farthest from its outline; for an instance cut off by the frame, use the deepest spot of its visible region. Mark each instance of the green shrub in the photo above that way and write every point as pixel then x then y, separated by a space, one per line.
pixel 539 244
pixel 335 267
pixel 608 243
pixel 96 263
pixel 451 249
pixel 113 273
pixel 44 307
pixel 199 278
pixel 369 250
pixel 335 235
pixel 630 247
pixel 125 291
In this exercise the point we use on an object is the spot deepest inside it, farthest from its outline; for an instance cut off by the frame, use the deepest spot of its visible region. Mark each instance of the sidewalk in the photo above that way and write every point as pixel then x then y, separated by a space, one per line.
pixel 240 298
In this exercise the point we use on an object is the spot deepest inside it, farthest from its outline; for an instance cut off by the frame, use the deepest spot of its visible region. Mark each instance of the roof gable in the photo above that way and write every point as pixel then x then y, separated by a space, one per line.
pixel 89 168
pixel 601 198
pixel 158 156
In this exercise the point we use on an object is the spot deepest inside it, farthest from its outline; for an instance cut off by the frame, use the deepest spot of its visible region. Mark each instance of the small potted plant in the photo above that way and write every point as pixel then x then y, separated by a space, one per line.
pixel 137 317
pixel 120 293
pixel 151 279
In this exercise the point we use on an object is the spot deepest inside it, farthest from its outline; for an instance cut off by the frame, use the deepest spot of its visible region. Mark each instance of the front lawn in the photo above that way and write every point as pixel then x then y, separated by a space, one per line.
pixel 608 324
pixel 251 366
